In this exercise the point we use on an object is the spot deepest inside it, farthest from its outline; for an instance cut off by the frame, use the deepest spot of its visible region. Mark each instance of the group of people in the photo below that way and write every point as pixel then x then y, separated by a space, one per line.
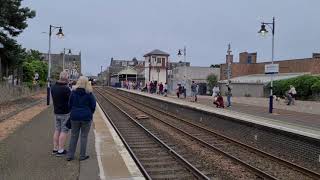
pixel 154 87
pixel 73 108
pixel 131 84
pixel 181 90
pixel 217 97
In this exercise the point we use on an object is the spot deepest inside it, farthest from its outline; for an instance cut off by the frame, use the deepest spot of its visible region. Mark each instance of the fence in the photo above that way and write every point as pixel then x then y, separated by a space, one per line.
pixel 9 92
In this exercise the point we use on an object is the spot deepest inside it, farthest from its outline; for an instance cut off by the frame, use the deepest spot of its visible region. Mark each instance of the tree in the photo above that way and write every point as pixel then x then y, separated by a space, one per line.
pixel 13 17
pixel 33 65
pixel 212 81
pixel 215 65
pixel 13 20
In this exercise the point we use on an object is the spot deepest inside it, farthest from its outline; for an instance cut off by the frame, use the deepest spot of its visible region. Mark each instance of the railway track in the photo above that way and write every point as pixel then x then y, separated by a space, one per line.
pixel 155 159
pixel 263 164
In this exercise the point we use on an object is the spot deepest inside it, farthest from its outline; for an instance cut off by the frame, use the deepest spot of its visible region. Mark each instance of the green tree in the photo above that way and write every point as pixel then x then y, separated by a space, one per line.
pixel 32 65
pixel 13 17
pixel 212 80
pixel 215 65
pixel 13 20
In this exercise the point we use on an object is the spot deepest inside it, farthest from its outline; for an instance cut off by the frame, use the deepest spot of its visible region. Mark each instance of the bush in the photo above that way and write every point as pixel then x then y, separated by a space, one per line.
pixel 212 80
pixel 305 85
pixel 316 87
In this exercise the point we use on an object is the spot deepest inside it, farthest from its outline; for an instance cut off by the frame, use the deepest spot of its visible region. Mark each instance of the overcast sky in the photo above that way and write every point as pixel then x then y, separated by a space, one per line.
pixel 124 29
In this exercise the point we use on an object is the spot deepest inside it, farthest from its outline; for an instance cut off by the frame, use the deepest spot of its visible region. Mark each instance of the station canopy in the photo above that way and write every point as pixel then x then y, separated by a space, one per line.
pixel 128 71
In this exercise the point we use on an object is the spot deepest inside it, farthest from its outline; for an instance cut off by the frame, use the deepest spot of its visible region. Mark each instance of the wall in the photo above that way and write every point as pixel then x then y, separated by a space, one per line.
pixel 241 89
pixel 197 74
pixel 154 75
pixel 287 66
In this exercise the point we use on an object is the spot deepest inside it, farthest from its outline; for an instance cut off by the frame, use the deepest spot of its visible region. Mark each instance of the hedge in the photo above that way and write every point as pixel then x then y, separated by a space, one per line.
pixel 305 85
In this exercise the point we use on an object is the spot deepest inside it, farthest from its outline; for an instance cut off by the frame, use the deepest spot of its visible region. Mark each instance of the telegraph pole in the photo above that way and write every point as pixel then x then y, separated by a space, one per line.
pixel 229 62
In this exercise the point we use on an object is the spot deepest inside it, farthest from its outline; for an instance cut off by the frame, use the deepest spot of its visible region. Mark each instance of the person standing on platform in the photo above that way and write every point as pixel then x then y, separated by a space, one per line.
pixel 193 91
pixel 215 90
pixel 197 92
pixel 165 89
pixel 82 104
pixel 229 93
pixel 161 88
pixel 60 92
pixel 291 95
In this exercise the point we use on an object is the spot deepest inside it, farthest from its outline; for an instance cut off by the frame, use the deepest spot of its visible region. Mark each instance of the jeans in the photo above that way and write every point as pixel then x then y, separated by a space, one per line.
pixel 76 127
pixel 229 100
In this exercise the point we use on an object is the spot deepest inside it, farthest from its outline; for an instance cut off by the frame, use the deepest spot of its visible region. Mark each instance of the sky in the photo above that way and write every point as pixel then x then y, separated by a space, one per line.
pixel 124 29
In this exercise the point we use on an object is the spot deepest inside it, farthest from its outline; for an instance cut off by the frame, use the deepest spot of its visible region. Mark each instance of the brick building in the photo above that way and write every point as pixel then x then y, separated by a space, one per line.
pixel 248 65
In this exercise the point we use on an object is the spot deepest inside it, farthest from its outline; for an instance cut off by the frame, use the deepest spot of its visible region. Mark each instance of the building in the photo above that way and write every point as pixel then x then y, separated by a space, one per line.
pixel 186 74
pixel 248 65
pixel 156 66
pixel 254 85
pixel 124 70
pixel 72 64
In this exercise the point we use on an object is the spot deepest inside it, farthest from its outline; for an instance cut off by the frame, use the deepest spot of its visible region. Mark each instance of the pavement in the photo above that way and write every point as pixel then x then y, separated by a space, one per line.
pixel 305 124
pixel 280 112
pixel 26 154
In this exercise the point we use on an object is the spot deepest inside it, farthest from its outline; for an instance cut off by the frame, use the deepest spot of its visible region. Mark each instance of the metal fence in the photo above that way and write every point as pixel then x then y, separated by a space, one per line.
pixel 9 92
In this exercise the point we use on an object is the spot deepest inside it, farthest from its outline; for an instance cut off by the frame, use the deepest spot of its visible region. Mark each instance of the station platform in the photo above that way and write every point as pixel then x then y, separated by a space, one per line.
pixel 305 124
pixel 26 153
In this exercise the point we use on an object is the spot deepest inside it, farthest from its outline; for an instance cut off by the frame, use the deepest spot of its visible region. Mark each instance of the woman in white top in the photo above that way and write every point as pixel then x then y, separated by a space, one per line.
pixel 215 91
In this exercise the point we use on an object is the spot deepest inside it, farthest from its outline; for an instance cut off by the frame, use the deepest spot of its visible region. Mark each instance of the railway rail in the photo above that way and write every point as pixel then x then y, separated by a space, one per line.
pixel 155 159
pixel 263 164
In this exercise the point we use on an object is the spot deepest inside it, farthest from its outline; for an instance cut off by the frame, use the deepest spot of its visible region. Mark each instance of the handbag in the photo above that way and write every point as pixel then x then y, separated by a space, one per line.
pixel 68 123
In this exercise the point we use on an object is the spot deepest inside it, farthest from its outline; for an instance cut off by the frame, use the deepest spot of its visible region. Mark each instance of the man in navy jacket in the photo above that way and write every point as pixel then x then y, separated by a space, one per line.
pixel 60 95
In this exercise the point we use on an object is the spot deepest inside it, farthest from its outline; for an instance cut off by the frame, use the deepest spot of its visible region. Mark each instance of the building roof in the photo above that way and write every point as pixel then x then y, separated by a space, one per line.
pixel 156 52
pixel 262 78
pixel 129 71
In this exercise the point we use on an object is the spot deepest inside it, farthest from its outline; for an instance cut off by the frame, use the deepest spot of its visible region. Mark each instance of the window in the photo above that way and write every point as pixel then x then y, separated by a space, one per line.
pixel 163 60
pixel 159 60
pixel 249 59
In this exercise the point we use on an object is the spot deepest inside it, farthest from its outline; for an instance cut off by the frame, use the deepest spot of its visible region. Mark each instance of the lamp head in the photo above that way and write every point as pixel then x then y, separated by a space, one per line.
pixel 60 33
pixel 263 31
pixel 179 52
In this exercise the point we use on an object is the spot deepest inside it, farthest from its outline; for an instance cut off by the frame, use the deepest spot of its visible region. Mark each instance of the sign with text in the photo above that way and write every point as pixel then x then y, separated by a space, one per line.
pixel 271 68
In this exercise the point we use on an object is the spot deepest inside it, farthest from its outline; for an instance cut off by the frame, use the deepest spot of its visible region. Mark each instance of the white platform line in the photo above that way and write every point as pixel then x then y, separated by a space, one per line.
pixel 98 148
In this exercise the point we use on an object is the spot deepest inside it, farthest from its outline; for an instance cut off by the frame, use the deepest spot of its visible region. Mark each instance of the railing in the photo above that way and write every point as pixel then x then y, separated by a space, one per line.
pixel 9 92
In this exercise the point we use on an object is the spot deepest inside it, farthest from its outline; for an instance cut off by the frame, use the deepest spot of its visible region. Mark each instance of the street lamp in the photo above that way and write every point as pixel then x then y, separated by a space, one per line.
pixel 263 31
pixel 1 47
pixel 60 35
pixel 185 64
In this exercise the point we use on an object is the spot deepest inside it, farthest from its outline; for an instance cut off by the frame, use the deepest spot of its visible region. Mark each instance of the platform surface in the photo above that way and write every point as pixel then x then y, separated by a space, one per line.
pixel 305 124
pixel 26 153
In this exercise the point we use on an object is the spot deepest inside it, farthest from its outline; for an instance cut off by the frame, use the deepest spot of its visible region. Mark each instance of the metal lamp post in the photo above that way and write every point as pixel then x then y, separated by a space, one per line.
pixel 1 47
pixel 64 56
pixel 60 35
pixel 185 64
pixel 263 31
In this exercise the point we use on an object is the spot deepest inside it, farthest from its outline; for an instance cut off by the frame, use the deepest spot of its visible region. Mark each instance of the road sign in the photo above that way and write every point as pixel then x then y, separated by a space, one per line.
pixel 271 68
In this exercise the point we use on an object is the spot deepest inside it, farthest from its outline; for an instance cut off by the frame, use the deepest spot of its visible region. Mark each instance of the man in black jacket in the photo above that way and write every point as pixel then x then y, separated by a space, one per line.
pixel 60 95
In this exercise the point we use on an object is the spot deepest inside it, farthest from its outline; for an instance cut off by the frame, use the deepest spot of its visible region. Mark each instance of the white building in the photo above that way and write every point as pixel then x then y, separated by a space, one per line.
pixel 254 85
pixel 156 66
pixel 184 75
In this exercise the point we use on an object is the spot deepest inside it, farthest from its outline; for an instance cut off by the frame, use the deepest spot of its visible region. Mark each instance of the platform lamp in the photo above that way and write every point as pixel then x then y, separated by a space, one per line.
pixel 60 35
pixel 1 47
pixel 263 31
pixel 185 64
pixel 64 57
